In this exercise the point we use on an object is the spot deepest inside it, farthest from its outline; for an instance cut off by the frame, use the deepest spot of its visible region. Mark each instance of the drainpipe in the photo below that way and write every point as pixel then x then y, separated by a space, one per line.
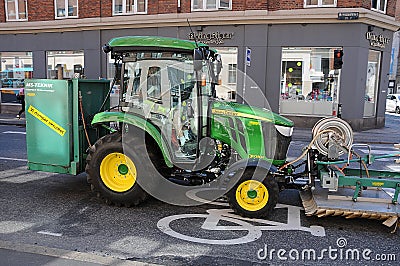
pixel 179 6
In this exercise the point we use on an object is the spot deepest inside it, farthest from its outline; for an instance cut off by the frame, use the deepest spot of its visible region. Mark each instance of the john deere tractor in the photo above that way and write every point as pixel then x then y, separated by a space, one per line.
pixel 170 136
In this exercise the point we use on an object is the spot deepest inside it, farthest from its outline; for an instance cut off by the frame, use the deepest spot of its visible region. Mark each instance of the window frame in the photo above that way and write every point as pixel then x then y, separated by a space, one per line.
pixel 378 7
pixel 16 3
pixel 66 10
pixel 320 4
pixel 124 13
pixel 217 6
pixel 232 73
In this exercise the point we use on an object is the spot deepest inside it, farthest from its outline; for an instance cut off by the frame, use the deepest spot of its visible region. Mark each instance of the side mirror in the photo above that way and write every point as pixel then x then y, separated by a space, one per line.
pixel 197 59
pixel 106 48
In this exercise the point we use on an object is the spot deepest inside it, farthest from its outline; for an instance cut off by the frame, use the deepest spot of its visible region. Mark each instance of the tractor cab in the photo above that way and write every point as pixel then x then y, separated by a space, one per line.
pixel 169 83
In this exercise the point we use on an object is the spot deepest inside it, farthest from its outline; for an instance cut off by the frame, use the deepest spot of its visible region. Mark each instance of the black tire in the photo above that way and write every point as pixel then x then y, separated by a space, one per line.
pixel 397 110
pixel 260 209
pixel 109 145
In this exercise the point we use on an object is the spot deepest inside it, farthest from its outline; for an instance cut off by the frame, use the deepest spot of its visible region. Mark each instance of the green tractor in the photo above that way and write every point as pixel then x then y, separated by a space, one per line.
pixel 170 136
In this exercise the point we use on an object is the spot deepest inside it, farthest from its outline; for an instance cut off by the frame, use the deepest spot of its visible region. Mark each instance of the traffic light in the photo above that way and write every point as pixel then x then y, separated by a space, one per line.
pixel 337 59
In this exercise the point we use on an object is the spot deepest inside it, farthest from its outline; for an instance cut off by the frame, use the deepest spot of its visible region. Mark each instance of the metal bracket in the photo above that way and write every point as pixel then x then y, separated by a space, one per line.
pixel 330 180
pixel 369 157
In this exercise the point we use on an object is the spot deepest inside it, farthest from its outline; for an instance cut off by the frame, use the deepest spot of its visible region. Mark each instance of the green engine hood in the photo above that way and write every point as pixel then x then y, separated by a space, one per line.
pixel 246 111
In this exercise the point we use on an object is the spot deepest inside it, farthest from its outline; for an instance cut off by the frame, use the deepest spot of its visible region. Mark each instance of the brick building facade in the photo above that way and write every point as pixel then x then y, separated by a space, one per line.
pixel 302 33
pixel 43 10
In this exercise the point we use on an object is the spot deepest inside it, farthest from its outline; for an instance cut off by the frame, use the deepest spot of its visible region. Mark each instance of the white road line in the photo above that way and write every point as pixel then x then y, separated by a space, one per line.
pixel 394 167
pixel 67 254
pixel 13 159
pixel 392 114
pixel 14 132
pixel 49 233
pixel 380 151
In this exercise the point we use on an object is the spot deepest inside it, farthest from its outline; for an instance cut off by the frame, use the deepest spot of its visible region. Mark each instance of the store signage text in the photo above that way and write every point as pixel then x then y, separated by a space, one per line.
pixel 211 37
pixel 379 41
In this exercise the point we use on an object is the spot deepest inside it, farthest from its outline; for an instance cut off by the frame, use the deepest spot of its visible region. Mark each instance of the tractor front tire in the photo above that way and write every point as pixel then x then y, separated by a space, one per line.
pixel 254 198
pixel 113 174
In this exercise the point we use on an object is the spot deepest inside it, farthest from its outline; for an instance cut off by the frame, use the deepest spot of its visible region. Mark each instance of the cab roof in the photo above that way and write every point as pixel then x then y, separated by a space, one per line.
pixel 155 42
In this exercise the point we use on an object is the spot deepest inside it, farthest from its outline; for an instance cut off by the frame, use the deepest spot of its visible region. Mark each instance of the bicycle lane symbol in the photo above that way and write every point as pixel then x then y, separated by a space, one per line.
pixel 253 232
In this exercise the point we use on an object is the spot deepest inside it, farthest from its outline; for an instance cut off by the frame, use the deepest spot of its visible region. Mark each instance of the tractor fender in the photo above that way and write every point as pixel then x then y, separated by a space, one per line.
pixel 139 122
pixel 235 171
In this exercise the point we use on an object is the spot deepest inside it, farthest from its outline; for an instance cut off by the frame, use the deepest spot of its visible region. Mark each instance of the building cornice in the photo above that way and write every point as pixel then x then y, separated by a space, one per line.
pixel 249 17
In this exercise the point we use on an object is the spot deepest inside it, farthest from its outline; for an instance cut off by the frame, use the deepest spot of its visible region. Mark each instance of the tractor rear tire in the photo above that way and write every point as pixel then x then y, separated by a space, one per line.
pixel 113 174
pixel 254 198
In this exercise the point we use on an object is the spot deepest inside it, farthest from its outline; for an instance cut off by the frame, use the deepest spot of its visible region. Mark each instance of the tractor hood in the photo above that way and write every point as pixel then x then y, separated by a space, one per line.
pixel 246 111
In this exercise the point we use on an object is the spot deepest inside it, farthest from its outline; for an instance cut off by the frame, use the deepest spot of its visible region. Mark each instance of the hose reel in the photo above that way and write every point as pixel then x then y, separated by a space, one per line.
pixel 333 137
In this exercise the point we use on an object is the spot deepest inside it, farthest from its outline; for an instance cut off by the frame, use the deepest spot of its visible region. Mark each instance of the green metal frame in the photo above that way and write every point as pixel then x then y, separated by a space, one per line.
pixel 358 178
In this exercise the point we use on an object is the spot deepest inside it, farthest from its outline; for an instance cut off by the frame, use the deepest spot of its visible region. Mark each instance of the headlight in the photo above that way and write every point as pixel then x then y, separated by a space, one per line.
pixel 286 131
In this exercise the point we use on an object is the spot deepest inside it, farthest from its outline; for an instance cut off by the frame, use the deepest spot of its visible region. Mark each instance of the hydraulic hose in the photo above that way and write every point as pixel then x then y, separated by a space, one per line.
pixel 307 148
pixel 83 119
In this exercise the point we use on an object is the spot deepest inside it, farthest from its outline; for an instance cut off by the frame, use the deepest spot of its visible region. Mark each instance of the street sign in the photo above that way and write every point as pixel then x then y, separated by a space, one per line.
pixel 348 15
pixel 248 56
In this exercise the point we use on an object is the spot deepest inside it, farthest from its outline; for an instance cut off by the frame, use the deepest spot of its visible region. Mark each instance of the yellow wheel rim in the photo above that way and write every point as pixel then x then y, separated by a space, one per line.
pixel 252 195
pixel 118 172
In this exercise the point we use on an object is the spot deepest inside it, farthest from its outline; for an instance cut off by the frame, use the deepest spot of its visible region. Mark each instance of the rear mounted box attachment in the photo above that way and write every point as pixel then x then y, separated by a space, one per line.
pixel 54 132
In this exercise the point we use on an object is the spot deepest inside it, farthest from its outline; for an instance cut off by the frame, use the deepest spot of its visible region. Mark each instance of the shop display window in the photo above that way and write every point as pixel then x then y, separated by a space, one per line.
pixel 309 82
pixel 372 83
pixel 15 67
pixel 65 64
pixel 227 85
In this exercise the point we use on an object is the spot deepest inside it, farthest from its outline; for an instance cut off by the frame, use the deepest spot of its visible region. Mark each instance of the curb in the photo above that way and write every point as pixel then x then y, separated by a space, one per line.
pixel 13 122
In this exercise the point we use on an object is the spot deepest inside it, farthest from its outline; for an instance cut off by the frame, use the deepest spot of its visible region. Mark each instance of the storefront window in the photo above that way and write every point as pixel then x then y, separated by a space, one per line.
pixel 228 76
pixel 372 83
pixel 65 64
pixel 16 10
pixel 15 67
pixel 309 83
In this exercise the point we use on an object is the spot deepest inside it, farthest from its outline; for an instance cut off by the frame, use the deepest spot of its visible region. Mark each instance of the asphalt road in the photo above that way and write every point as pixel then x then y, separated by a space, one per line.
pixel 56 216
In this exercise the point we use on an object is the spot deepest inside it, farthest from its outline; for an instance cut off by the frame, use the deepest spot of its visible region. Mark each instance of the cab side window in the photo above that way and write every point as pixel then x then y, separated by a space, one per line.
pixel 154 83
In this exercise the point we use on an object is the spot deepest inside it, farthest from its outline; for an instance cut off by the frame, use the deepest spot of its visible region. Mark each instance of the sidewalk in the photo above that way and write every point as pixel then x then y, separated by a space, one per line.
pixel 389 134
pixel 11 119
